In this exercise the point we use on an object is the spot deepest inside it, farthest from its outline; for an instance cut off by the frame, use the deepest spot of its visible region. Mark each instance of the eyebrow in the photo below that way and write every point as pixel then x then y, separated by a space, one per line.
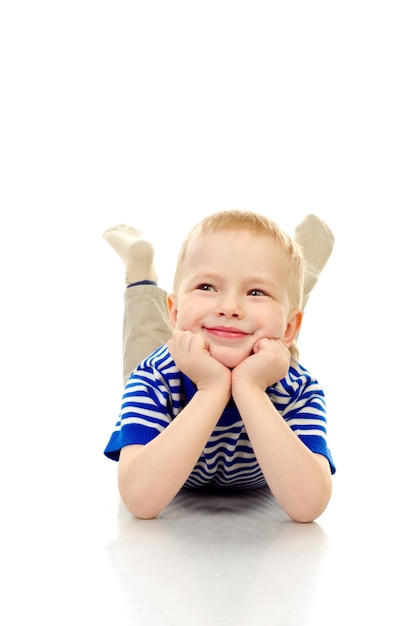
pixel 207 275
pixel 249 280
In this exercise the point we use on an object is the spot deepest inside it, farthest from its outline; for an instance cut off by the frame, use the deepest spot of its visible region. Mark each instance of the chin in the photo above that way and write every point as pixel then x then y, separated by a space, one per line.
pixel 226 357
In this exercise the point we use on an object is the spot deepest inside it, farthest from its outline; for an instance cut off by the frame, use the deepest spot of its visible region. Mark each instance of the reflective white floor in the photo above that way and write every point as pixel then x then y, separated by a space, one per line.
pixel 72 554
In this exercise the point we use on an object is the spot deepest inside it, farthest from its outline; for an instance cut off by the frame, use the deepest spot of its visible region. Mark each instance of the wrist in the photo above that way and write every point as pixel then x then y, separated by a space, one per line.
pixel 245 389
pixel 214 391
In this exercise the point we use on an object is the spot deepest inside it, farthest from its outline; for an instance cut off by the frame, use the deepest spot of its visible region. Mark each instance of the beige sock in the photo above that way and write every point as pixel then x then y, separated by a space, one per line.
pixel 316 240
pixel 136 252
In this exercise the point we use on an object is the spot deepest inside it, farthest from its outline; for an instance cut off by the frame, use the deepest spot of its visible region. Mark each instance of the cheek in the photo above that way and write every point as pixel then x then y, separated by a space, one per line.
pixel 184 318
pixel 275 323
pixel 190 311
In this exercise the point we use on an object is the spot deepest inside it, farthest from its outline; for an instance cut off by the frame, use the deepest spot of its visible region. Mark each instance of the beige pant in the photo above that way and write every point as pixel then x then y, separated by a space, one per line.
pixel 146 324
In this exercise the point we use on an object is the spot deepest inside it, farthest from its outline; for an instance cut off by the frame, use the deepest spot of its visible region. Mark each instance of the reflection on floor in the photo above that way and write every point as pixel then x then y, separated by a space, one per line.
pixel 220 558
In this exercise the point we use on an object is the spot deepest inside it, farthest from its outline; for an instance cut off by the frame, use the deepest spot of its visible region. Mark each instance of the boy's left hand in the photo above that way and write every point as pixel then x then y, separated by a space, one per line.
pixel 269 363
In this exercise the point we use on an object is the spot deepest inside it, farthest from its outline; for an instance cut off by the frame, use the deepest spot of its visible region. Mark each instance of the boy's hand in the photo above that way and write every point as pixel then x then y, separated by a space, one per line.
pixel 269 363
pixel 191 355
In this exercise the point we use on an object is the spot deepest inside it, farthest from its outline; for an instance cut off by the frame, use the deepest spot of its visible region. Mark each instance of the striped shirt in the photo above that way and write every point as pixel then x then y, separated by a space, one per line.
pixel 157 391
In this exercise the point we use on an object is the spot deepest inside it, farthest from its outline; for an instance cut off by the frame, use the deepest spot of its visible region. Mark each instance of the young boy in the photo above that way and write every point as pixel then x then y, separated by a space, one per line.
pixel 224 402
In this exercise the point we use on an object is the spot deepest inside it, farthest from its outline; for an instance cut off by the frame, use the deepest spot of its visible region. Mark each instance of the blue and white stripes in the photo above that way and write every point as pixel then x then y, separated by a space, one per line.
pixel 156 392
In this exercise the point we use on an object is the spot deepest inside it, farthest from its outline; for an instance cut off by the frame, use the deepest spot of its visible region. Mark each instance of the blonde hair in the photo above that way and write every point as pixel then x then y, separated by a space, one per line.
pixel 259 225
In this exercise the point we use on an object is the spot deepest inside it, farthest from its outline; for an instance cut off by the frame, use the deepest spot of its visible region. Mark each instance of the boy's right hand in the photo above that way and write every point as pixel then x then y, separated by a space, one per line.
pixel 191 355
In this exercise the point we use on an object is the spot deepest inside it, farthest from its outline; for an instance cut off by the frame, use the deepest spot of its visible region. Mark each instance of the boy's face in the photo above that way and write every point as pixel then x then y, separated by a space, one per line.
pixel 233 292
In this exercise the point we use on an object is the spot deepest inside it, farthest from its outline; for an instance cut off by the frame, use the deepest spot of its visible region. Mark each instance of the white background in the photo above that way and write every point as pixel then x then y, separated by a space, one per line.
pixel 157 113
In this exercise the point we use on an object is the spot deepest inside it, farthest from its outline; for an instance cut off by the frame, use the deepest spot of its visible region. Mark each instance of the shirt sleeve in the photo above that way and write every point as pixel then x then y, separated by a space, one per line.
pixel 301 402
pixel 144 413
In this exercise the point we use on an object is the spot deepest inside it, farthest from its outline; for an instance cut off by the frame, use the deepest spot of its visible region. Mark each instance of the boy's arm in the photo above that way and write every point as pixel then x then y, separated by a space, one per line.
pixel 150 476
pixel 299 479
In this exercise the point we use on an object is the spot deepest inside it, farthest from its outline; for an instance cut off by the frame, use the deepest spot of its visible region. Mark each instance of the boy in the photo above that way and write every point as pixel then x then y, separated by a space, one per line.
pixel 224 402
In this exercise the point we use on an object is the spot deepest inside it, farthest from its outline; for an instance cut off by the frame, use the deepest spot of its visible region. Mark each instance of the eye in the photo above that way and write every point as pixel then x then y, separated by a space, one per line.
pixel 256 292
pixel 205 287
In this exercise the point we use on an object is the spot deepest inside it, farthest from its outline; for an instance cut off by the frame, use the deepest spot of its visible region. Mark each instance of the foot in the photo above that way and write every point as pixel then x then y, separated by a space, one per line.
pixel 316 240
pixel 136 252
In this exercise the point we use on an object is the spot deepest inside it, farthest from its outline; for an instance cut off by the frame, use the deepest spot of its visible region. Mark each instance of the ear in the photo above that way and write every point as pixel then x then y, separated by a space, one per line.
pixel 293 327
pixel 172 309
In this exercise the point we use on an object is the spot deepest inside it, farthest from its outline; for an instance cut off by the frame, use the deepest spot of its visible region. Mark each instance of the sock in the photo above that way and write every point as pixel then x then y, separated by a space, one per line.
pixel 136 253
pixel 316 240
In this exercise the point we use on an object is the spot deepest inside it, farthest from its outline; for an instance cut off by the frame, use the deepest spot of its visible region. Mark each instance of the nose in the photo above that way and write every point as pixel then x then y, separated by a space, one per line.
pixel 230 306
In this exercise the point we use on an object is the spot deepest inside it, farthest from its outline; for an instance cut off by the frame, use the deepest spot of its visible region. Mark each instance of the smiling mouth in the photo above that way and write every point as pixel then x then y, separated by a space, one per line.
pixel 226 333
